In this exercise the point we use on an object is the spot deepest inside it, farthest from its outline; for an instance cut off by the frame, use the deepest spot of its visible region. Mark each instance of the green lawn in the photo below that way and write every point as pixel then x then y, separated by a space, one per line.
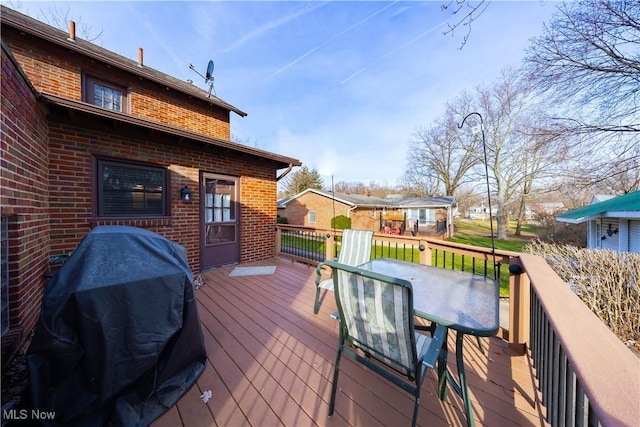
pixel 471 232
pixel 478 233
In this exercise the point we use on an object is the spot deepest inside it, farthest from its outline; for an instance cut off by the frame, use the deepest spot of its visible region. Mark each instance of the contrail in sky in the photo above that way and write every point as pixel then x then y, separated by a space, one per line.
pixel 361 70
pixel 310 51
pixel 273 24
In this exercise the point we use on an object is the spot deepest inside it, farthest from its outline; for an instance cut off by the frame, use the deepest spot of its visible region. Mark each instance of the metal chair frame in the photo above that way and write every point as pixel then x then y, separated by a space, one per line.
pixel 356 336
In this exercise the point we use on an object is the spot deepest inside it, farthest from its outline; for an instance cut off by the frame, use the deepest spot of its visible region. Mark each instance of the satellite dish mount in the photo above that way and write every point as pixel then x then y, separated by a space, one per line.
pixel 208 77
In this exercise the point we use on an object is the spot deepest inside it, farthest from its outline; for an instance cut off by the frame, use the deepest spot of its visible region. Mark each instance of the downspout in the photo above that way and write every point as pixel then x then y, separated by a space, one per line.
pixel 352 209
pixel 283 174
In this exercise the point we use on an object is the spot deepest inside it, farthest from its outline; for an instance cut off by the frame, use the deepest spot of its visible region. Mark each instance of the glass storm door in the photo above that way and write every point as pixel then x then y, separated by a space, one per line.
pixel 219 211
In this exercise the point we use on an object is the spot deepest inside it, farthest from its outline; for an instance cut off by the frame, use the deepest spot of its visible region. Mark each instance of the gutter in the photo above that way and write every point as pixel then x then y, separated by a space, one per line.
pixel 285 173
pixel 104 113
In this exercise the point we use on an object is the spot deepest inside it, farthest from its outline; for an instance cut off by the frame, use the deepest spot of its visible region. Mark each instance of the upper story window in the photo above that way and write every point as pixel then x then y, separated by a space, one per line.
pixel 130 190
pixel 104 94
pixel 312 217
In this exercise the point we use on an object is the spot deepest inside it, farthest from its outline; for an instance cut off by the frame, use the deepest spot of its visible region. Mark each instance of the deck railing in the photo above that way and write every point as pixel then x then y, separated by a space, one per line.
pixel 585 375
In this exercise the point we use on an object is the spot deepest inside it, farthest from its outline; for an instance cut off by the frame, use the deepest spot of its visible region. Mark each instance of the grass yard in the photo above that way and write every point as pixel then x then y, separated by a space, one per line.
pixel 478 233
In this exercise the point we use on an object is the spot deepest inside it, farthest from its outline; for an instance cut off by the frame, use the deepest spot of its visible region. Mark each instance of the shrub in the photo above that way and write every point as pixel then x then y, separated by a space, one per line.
pixel 608 282
pixel 562 233
pixel 282 220
pixel 341 222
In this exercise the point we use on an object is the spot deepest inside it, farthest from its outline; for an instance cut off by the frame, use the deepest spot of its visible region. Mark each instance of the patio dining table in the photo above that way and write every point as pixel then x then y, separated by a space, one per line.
pixel 465 302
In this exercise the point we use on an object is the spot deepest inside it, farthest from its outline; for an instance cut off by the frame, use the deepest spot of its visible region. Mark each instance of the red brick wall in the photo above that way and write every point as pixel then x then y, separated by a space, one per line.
pixel 73 150
pixel 297 210
pixel 23 200
pixel 47 168
pixel 365 219
pixel 297 213
pixel 58 71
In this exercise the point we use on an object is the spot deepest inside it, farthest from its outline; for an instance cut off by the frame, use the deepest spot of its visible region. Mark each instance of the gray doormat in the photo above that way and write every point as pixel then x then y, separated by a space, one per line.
pixel 253 271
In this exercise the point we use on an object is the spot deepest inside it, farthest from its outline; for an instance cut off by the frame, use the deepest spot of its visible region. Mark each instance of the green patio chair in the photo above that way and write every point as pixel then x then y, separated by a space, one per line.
pixel 376 329
pixel 354 250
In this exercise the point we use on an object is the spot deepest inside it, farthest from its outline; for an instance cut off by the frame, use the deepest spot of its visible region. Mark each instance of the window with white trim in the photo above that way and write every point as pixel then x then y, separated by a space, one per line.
pixel 312 217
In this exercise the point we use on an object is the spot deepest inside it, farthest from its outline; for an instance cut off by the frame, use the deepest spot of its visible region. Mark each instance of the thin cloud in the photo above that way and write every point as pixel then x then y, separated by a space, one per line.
pixel 273 24
pixel 410 42
pixel 310 51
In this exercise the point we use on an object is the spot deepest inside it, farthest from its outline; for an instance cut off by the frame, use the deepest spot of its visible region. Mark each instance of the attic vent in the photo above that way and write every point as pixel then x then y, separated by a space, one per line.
pixel 72 31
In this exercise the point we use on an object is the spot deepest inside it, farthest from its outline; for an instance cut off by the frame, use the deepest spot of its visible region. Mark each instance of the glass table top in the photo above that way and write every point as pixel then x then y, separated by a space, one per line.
pixel 460 300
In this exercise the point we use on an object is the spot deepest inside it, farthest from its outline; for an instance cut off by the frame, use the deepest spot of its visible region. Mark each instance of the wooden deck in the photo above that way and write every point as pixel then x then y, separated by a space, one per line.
pixel 270 362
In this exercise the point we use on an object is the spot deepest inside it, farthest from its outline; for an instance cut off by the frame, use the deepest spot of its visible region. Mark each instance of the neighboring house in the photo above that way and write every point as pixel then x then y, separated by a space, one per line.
pixel 92 138
pixel 532 211
pixel 315 208
pixel 479 212
pixel 613 223
pixel 535 211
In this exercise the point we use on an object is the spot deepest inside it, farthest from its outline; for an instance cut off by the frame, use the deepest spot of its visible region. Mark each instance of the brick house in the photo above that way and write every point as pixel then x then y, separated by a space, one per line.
pixel 92 138
pixel 315 208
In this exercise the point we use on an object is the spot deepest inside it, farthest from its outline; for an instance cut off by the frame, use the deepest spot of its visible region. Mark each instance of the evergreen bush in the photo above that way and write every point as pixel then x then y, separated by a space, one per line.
pixel 341 222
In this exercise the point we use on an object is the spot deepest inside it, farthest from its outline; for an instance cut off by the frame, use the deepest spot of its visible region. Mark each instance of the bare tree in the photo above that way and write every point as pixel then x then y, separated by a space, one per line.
pixel 440 157
pixel 521 150
pixel 588 62
pixel 543 156
pixel 59 18
pixel 417 182
pixel 467 197
pixel 465 12
pixel 371 189
pixel 247 140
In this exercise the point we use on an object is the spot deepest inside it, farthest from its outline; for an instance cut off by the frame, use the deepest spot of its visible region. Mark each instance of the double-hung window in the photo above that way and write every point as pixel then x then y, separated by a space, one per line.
pixel 126 189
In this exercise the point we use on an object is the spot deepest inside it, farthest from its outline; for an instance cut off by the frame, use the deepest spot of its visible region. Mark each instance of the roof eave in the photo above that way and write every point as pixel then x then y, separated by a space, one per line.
pixel 134 69
pixel 573 220
pixel 611 214
pixel 161 127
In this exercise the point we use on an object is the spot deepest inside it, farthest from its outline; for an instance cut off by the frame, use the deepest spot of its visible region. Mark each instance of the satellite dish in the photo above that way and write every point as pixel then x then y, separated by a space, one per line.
pixel 208 78
pixel 209 71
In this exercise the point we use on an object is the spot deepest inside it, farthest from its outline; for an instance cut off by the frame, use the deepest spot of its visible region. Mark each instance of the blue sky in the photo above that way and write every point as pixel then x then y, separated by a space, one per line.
pixel 341 86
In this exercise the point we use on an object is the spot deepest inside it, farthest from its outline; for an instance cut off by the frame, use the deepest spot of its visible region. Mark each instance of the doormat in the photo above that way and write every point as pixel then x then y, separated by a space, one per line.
pixel 253 271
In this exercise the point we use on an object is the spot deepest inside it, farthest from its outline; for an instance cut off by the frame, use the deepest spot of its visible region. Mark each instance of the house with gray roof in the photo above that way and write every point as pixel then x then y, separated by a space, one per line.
pixel 392 215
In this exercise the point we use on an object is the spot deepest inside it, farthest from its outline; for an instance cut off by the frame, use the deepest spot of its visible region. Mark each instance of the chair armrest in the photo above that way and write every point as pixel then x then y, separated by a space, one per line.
pixel 438 337
pixel 319 268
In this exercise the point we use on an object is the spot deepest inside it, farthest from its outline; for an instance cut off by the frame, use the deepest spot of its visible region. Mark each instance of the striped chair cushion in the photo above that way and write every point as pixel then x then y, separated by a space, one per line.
pixel 356 247
pixel 377 320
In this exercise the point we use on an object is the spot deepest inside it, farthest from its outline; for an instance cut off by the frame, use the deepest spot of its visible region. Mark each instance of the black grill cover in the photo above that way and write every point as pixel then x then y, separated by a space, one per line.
pixel 118 341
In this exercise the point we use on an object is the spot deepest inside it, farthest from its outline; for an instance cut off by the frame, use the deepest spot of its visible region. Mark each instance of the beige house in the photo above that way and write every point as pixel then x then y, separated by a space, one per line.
pixel 393 215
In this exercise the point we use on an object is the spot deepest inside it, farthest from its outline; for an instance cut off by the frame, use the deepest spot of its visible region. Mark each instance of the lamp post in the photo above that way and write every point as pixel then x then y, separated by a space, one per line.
pixel 479 129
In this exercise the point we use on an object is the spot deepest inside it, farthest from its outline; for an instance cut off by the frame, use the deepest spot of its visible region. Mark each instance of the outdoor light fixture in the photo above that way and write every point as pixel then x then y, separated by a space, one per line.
pixel 185 194
pixel 479 129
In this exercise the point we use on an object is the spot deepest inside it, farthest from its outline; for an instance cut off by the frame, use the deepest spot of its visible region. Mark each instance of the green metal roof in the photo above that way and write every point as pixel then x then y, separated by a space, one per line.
pixel 625 206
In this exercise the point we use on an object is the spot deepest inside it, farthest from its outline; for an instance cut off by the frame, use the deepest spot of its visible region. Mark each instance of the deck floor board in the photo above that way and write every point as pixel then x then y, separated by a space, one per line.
pixel 270 363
